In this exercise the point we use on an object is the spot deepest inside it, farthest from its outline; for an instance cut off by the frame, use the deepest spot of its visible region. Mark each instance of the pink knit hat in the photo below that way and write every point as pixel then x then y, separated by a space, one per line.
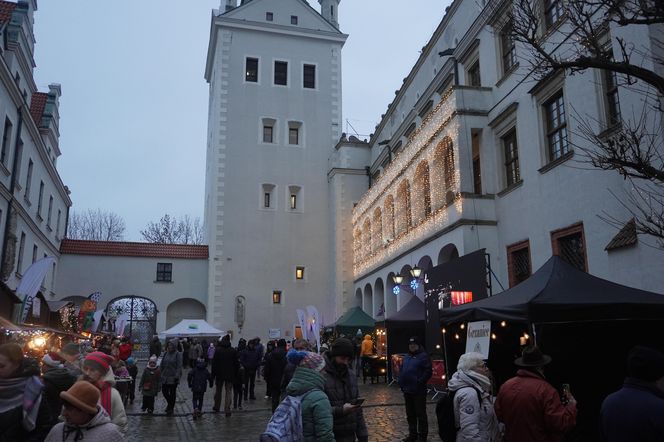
pixel 306 359
pixel 100 358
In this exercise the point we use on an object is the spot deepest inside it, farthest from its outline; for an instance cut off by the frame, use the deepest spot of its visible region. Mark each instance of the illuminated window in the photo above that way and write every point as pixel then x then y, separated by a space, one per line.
pixel 293 201
pixel 299 273
pixel 251 71
pixel 276 296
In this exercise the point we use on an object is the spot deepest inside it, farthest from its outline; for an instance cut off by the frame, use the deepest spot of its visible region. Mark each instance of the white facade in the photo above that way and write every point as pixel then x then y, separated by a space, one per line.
pixel 267 206
pixel 34 203
pixel 427 203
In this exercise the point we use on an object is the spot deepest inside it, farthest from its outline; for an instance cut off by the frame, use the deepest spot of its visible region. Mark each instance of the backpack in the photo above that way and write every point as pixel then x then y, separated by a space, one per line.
pixel 447 428
pixel 285 425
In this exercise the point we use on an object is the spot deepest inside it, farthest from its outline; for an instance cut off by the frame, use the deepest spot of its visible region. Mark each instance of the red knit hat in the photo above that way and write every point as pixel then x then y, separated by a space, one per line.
pixel 100 358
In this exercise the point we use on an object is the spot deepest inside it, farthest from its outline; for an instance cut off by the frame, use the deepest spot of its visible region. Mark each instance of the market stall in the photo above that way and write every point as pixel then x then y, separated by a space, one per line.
pixel 191 328
pixel 353 320
pixel 407 322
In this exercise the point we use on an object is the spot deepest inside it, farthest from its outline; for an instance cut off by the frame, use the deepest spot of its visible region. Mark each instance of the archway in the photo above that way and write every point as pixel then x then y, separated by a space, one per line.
pixel 358 298
pixel 136 317
pixel 447 253
pixel 379 300
pixel 367 302
pixel 185 308
pixel 421 201
pixel 377 232
pixel 402 217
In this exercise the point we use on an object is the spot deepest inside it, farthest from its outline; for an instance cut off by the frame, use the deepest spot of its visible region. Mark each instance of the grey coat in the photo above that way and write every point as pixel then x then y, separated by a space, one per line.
pixel 171 368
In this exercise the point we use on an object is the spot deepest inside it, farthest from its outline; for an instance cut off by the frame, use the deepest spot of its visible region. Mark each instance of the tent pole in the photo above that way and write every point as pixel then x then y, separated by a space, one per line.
pixel 532 329
pixel 447 378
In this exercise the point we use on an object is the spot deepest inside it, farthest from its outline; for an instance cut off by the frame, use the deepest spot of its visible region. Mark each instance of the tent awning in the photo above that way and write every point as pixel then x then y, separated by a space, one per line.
pixel 355 318
pixel 558 292
pixel 191 328
pixel 413 311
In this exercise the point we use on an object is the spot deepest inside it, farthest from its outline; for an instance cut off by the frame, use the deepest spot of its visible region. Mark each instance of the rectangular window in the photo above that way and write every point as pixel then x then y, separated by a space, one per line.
pixel 266 200
pixel 57 226
pixel 50 211
pixel 293 19
pixel 293 135
pixel 518 262
pixel 268 134
pixel 53 278
pixel 28 179
pixel 269 16
pixel 164 272
pixel 251 71
pixel 512 173
pixel 474 75
pixel 309 76
pixel 276 296
pixel 612 100
pixel 569 243
pixel 41 196
pixel 556 127
pixel 299 273
pixel 281 73
pixel 477 175
pixel 21 250
pixel 553 10
pixel 6 138
pixel 293 201
pixel 508 48
pixel 35 251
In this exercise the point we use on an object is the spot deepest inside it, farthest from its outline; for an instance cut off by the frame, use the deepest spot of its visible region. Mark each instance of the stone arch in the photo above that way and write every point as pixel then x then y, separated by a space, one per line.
pixel 443 173
pixel 136 317
pixel 447 253
pixel 388 217
pixel 421 189
pixel 358 297
pixel 367 299
pixel 357 245
pixel 390 297
pixel 184 308
pixel 377 232
pixel 402 216
pixel 379 300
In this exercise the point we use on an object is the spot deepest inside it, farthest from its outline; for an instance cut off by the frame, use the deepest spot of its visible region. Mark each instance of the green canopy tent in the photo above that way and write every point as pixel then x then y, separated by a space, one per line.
pixel 352 320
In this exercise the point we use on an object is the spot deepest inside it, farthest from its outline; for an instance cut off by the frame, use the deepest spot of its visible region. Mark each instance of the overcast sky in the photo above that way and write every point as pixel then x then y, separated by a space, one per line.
pixel 133 114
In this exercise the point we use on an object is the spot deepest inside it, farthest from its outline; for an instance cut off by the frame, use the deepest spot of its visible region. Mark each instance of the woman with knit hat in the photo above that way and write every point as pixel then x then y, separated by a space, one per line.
pixel 85 420
pixel 316 409
pixel 97 371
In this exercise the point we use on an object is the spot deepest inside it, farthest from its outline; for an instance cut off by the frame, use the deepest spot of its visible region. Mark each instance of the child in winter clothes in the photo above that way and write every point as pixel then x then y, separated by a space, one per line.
pixel 150 384
pixel 97 371
pixel 198 379
pixel 133 372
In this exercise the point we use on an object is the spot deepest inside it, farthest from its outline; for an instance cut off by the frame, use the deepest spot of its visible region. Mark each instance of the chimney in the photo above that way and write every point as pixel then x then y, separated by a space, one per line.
pixel 329 9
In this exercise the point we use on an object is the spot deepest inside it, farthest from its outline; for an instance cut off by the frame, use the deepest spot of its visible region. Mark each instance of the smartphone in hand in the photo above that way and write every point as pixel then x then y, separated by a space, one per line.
pixel 358 401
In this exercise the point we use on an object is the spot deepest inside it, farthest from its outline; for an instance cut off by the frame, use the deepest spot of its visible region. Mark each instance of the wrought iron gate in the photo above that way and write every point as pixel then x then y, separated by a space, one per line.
pixel 141 316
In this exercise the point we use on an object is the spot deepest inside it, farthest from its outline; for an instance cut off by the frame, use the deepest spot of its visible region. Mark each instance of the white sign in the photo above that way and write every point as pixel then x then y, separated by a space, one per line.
pixel 479 338
pixel 274 333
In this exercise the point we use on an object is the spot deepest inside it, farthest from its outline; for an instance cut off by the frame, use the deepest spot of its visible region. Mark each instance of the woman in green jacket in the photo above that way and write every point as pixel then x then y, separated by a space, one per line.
pixel 316 409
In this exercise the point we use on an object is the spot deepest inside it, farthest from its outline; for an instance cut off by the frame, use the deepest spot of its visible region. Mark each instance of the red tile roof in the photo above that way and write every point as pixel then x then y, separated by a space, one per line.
pixel 37 106
pixel 626 237
pixel 133 249
pixel 6 10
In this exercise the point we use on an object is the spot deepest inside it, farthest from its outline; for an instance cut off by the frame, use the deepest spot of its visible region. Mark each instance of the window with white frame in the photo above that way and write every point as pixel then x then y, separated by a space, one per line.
pixel 511 156
pixel 6 138
pixel 269 127
pixel 611 99
pixel 268 201
pixel 281 73
pixel 309 76
pixel 507 48
pixel 556 126
pixel 473 74
pixel 553 11
pixel 28 179
pixel 269 16
pixel 41 196
pixel 21 251
pixel 294 133
pixel 251 70
pixel 294 197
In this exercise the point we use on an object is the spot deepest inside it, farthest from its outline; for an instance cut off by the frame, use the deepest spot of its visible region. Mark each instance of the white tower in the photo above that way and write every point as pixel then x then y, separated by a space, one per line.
pixel 329 9
pixel 227 5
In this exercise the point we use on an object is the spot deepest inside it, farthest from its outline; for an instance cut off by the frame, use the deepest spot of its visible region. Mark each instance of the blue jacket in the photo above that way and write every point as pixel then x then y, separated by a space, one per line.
pixel 199 378
pixel 635 412
pixel 250 358
pixel 415 372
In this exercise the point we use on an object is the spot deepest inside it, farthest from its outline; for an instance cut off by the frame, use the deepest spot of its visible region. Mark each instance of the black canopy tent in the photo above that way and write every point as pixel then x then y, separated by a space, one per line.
pixel 558 292
pixel 407 322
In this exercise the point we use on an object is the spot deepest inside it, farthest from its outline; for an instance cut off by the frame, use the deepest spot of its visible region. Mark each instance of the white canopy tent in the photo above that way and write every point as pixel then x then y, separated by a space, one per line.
pixel 189 328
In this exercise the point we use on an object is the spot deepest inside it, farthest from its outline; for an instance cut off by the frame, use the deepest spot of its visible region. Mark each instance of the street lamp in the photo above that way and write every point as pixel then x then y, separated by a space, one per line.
pixel 398 279
pixel 416 272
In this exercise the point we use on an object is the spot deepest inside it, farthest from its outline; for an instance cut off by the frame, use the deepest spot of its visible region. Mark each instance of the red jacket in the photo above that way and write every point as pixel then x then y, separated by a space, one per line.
pixel 125 351
pixel 531 410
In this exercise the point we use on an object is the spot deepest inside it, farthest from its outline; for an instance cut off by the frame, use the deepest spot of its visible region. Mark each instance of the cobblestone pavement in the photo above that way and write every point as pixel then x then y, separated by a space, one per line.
pixel 383 411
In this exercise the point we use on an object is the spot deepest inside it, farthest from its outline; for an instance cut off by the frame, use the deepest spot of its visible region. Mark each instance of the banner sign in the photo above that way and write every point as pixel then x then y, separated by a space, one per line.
pixel 479 338
pixel 31 281
pixel 437 373
pixel 274 333
pixel 459 298
pixel 314 322
pixel 302 320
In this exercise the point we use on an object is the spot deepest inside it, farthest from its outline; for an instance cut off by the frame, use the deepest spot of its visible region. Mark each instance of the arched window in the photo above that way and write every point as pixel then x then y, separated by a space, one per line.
pixel 377 229
pixel 443 174
pixel 388 222
pixel 366 238
pixel 422 192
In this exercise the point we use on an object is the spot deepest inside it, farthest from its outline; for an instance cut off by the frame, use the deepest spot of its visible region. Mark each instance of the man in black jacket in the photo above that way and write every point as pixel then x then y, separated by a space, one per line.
pixel 225 366
pixel 341 390
pixel 275 363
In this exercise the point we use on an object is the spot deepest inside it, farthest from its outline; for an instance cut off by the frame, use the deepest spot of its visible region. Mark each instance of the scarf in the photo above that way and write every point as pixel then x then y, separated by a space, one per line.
pixel 105 398
pixel 25 392
pixel 67 430
pixel 481 381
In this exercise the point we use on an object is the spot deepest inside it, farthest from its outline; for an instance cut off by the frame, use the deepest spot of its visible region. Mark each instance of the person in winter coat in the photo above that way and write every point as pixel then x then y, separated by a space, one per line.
pixel 171 371
pixel 71 354
pixel 97 371
pixel 415 373
pixel 636 411
pixel 238 382
pixel 198 379
pixel 195 353
pixel 250 358
pixel 299 345
pixel 155 346
pixel 184 349
pixel 56 379
pixel 341 390
pixel 316 409
pixel 225 366
pixel 210 353
pixel 530 407
pixel 474 415
pixel 24 414
pixel 124 349
pixel 150 384
pixel 270 348
pixel 273 371
pixel 84 419
pixel 367 346
pixel 133 373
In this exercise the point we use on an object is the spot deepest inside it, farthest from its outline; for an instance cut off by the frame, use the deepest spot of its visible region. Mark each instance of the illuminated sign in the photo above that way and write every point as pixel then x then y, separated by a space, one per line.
pixel 459 298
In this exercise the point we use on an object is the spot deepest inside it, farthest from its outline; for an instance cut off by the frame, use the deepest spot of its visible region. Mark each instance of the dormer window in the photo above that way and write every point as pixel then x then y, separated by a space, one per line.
pixel 269 16
pixel 293 19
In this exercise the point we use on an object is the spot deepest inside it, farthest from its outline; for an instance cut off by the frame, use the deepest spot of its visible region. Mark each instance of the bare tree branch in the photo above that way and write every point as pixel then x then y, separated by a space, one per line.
pixel 96 225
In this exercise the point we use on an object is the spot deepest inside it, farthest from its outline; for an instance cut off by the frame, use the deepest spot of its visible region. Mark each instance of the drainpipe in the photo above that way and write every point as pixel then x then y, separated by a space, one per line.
pixel 12 187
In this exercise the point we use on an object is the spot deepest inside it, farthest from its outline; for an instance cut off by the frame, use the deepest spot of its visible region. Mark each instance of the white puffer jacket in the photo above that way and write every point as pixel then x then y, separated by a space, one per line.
pixel 476 421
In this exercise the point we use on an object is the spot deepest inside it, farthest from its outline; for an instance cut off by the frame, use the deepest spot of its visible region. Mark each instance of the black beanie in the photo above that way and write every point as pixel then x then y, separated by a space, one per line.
pixel 645 363
pixel 342 347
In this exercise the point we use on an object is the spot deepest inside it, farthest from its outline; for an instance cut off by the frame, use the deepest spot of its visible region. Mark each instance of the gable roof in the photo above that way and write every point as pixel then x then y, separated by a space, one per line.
pixel 37 105
pixel 252 3
pixel 626 237
pixel 133 249
pixel 6 10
